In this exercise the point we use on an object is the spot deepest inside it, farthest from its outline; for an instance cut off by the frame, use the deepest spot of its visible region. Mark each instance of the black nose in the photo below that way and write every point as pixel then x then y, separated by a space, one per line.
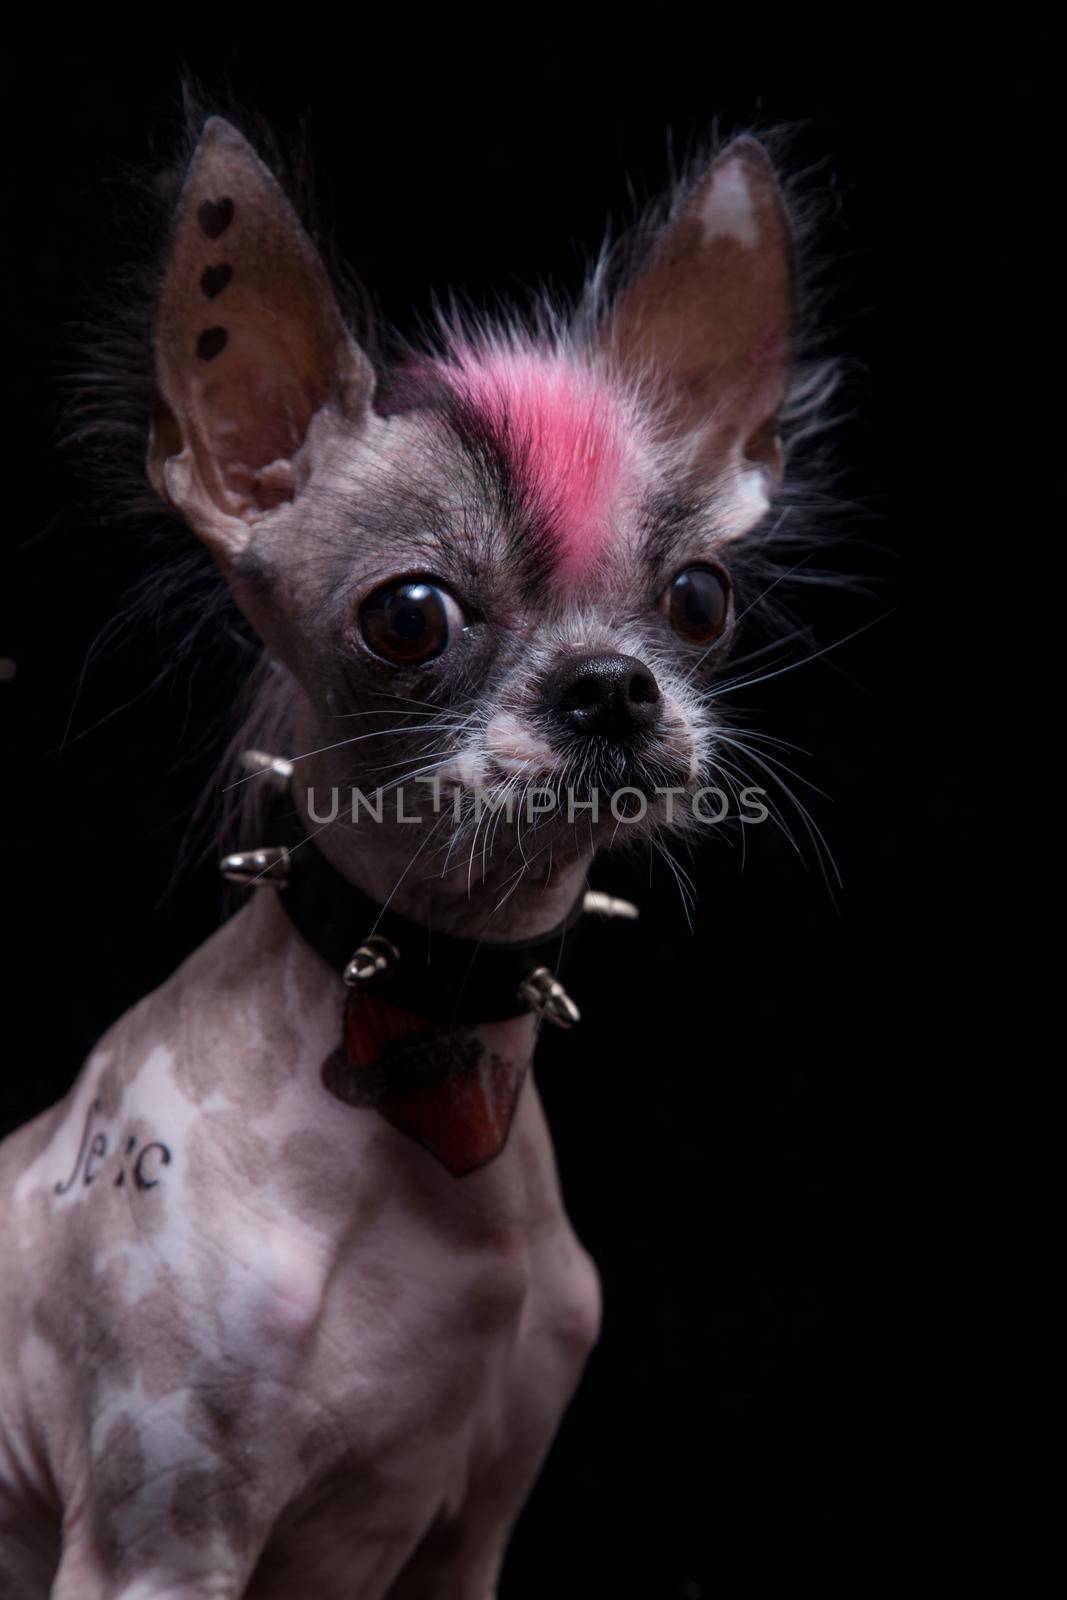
pixel 613 696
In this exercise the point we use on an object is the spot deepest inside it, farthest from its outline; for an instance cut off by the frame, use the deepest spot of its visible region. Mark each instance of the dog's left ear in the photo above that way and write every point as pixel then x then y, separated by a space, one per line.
pixel 251 350
pixel 707 323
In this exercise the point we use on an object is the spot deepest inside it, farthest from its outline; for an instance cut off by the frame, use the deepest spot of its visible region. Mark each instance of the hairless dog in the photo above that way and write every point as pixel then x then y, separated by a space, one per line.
pixel 292 1306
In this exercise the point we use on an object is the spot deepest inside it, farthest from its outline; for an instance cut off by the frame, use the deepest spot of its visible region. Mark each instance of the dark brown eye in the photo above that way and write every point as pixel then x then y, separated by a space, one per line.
pixel 698 604
pixel 409 623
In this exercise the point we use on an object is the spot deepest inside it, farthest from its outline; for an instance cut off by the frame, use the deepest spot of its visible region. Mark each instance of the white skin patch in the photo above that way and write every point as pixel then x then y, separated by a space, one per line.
pixel 511 747
pixel 727 210
pixel 750 501
pixel 517 748
pixel 467 770
pixel 67 1144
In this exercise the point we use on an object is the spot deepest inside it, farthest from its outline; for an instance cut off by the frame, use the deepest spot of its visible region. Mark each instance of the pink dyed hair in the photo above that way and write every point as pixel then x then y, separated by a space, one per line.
pixel 570 437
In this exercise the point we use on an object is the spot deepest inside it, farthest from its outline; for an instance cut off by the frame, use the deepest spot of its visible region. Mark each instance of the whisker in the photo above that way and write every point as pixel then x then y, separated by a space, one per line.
pixel 747 683
pixel 340 744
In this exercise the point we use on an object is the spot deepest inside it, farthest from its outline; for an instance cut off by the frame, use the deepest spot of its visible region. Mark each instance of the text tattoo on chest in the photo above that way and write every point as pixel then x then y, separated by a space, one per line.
pixel 96 1159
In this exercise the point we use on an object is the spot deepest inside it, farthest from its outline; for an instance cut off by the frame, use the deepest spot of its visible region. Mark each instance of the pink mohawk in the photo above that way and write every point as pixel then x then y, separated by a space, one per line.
pixel 570 439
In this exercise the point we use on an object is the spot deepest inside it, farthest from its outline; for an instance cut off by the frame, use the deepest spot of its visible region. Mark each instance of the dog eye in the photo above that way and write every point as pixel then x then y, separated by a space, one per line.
pixel 698 604
pixel 409 622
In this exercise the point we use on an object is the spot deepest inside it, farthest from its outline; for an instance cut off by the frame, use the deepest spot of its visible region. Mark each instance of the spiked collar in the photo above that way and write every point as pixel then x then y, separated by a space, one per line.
pixel 416 968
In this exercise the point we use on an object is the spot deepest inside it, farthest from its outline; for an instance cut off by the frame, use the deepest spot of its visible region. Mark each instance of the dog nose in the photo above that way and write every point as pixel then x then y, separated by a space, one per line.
pixel 613 696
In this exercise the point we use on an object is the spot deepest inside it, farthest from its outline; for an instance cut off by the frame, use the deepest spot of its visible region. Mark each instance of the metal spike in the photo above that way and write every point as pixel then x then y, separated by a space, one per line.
pixel 608 905
pixel 546 995
pixel 267 867
pixel 259 761
pixel 375 958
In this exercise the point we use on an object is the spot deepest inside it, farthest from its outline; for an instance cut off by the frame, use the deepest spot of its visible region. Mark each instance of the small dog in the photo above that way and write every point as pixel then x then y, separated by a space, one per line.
pixel 292 1306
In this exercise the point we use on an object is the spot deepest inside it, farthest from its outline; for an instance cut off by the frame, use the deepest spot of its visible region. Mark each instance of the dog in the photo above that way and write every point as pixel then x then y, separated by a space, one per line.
pixel 292 1305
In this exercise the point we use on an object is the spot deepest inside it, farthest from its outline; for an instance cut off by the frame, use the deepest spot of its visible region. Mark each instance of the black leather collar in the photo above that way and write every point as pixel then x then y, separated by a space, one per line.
pixel 436 975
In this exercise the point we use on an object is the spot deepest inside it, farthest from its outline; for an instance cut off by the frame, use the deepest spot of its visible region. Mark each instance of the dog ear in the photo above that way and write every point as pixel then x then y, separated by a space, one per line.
pixel 707 322
pixel 250 349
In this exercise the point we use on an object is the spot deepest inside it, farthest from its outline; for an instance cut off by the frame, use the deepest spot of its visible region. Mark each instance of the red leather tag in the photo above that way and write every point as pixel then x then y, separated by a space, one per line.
pixel 441 1085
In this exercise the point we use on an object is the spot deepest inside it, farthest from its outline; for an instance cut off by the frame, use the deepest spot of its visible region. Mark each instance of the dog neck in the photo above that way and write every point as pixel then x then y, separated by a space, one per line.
pixel 454 1090
pixel 492 896
pixel 452 1086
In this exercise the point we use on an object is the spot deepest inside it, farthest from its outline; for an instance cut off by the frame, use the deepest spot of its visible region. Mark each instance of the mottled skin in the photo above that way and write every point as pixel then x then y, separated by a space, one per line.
pixel 309 1361
pixel 256 1339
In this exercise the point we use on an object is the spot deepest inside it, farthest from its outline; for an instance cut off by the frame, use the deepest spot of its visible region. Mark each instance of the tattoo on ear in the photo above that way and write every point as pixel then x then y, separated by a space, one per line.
pixel 211 343
pixel 92 1152
pixel 215 216
pixel 214 279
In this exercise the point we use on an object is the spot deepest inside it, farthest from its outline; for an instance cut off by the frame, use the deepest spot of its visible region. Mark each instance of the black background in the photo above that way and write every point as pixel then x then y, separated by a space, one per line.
pixel 721 1116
